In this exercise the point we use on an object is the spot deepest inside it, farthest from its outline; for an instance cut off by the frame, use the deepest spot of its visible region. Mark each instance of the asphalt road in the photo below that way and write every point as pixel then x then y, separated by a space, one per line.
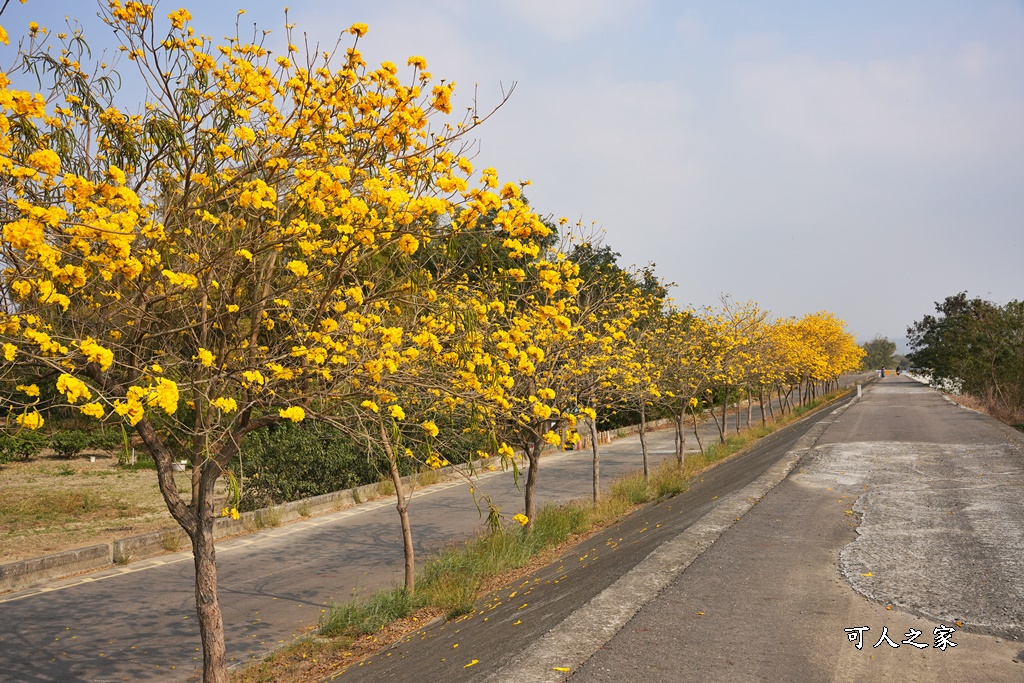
pixel 905 514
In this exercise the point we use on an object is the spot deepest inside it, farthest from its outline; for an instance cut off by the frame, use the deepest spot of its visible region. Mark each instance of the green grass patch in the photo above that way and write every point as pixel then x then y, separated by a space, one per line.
pixel 143 461
pixel 362 618
pixel 632 488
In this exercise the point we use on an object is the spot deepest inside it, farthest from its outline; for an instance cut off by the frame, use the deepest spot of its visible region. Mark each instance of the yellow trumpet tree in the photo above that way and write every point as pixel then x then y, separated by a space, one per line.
pixel 526 331
pixel 233 252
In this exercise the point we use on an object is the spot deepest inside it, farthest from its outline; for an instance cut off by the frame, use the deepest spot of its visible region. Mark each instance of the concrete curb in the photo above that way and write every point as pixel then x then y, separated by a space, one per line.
pixel 570 644
pixel 26 573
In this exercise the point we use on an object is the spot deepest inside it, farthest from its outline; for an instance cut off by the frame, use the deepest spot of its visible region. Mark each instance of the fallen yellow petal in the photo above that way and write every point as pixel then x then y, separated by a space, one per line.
pixel 867 574
pixel 475 661
pixel 561 668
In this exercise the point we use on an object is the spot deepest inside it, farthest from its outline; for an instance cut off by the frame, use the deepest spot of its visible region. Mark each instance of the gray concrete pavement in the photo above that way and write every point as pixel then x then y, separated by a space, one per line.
pixel 906 514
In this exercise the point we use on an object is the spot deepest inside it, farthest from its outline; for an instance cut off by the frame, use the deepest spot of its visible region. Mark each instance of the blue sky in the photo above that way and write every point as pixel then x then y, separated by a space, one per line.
pixel 862 157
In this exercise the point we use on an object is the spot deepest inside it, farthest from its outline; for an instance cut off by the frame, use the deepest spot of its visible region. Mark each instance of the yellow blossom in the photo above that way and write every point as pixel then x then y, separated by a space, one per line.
pixel 32 420
pixel 253 377
pixel 73 388
pixel 95 353
pixel 430 428
pixel 204 356
pixel 131 409
pixel 298 268
pixel 224 404
pixel 92 410
pixel 45 160
pixel 293 413
pixel 164 395
pixel 408 244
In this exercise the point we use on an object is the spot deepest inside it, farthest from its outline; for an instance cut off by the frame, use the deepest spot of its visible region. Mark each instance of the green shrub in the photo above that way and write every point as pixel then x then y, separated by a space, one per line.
pixel 109 441
pixel 68 443
pixel 287 462
pixel 20 447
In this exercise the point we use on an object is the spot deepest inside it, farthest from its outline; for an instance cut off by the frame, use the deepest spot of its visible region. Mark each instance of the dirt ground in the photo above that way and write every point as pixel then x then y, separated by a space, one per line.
pixel 51 504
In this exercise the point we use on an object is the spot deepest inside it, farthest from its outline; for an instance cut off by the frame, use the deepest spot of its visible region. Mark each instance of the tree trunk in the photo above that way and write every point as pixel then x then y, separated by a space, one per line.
pixel 696 431
pixel 533 454
pixel 211 622
pixel 737 413
pixel 597 460
pixel 403 513
pixel 721 427
pixel 680 438
pixel 750 405
pixel 643 439
pixel 197 519
pixel 760 402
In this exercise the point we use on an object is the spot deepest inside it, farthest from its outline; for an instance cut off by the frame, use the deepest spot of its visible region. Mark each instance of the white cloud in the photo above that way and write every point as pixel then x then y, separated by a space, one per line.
pixel 566 19
pixel 974 60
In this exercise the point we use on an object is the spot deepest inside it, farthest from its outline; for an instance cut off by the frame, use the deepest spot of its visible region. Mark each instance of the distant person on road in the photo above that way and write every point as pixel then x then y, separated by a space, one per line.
pixel 881 373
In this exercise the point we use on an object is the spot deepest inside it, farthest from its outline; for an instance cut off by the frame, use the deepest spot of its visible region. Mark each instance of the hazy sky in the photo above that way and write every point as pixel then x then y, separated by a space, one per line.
pixel 862 157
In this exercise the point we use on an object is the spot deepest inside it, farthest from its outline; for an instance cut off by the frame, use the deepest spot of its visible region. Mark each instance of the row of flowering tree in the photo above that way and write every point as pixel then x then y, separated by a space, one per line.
pixel 707 359
pixel 298 236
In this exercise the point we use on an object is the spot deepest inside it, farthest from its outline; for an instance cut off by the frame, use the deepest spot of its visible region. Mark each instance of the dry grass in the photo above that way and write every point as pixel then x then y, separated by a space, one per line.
pixel 50 504
pixel 1012 415
pixel 314 659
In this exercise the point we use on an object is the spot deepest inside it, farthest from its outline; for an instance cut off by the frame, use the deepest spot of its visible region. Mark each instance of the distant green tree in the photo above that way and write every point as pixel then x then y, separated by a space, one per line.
pixel 977 343
pixel 879 352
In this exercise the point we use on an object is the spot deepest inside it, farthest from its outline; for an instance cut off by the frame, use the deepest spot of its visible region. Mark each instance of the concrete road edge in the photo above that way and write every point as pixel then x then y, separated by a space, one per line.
pixel 567 646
